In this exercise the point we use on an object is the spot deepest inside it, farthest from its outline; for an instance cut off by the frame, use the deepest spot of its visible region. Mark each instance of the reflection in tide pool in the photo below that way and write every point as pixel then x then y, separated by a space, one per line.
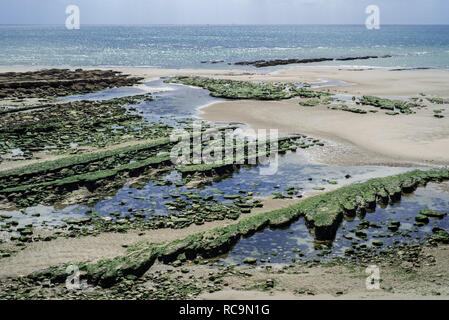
pixel 296 243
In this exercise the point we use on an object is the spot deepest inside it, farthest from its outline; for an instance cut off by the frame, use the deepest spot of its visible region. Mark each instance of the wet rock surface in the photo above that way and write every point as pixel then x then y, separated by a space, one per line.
pixel 69 126
pixel 277 62
pixel 232 89
pixel 60 82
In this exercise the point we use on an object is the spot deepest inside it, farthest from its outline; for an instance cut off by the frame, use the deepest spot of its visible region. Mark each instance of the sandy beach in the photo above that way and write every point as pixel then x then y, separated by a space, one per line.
pixel 409 140
pixel 415 138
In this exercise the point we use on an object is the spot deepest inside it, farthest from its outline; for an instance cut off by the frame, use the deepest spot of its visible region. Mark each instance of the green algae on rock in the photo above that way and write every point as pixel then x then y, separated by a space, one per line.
pixel 232 89
pixel 60 82
pixel 433 214
pixel 103 172
pixel 383 103
pixel 437 100
pixel 51 180
pixel 68 127
pixel 253 152
pixel 441 236
pixel 349 109
pixel 310 103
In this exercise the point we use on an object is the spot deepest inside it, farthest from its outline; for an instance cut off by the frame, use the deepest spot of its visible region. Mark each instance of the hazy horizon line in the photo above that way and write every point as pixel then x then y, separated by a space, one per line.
pixel 224 24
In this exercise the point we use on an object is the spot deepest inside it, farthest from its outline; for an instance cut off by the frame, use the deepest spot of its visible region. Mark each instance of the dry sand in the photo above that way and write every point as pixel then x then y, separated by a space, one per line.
pixel 416 138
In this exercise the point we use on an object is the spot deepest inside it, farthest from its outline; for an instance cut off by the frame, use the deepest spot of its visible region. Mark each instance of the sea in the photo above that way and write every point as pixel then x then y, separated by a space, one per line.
pixel 220 46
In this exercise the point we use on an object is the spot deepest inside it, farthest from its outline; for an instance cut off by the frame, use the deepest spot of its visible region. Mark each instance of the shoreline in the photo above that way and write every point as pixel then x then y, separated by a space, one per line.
pixel 271 69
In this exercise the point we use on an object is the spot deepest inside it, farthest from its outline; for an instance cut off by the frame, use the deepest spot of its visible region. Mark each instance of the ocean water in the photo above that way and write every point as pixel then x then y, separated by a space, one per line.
pixel 187 46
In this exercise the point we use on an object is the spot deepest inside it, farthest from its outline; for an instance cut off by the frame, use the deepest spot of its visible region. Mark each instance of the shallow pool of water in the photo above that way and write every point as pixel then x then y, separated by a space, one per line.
pixel 172 102
pixel 297 243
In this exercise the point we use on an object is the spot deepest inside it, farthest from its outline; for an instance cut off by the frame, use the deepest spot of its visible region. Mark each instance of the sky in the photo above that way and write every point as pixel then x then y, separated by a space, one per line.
pixel 224 11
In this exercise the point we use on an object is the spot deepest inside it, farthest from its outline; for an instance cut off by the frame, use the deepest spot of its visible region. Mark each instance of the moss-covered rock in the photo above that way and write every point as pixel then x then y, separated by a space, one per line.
pixel 441 237
pixel 232 89
pixel 310 103
pixel 60 82
pixel 393 105
pixel 432 214
pixel 422 218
